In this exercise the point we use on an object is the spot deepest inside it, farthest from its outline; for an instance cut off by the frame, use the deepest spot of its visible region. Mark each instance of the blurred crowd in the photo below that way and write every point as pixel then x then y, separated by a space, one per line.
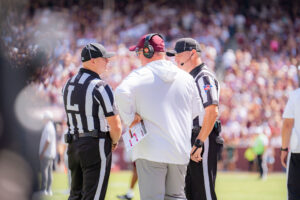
pixel 253 49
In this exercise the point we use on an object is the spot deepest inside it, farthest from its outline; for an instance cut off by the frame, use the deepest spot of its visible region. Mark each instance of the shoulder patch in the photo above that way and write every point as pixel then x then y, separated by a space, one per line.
pixel 207 87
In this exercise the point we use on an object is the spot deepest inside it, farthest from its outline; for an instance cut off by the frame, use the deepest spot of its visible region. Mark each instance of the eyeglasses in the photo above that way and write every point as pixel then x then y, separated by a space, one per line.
pixel 137 51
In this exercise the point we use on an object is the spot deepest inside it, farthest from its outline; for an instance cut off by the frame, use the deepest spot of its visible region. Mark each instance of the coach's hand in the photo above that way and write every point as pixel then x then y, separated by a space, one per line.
pixel 136 120
pixel 283 158
pixel 196 155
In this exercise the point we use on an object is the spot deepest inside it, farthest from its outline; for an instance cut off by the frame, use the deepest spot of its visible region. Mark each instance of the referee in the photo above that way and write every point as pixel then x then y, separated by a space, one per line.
pixel 291 138
pixel 94 126
pixel 206 142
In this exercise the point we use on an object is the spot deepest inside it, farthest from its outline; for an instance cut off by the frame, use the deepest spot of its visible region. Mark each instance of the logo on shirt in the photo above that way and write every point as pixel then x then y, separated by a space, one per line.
pixel 207 87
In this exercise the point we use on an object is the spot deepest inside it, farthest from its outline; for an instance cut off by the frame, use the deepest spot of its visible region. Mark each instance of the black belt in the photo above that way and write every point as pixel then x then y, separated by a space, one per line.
pixel 216 131
pixel 70 137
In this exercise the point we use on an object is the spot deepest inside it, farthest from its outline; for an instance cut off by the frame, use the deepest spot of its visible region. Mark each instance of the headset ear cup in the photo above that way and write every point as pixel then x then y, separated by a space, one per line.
pixel 145 51
pixel 148 51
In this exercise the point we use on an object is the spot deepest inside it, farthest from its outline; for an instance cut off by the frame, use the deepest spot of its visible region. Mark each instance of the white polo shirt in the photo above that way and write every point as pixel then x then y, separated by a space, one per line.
pixel 292 111
pixel 167 99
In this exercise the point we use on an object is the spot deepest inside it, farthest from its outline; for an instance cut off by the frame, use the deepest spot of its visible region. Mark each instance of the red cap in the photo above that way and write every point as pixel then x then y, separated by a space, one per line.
pixel 156 42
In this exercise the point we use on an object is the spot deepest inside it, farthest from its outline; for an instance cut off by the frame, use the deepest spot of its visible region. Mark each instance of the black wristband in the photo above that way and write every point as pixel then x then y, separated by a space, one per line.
pixel 198 143
pixel 284 149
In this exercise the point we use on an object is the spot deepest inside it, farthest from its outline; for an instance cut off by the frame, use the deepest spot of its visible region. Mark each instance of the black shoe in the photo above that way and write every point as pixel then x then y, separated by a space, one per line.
pixel 124 197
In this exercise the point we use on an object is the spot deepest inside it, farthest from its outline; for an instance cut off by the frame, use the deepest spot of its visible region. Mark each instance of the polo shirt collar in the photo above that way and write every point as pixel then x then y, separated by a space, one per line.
pixel 197 69
pixel 90 72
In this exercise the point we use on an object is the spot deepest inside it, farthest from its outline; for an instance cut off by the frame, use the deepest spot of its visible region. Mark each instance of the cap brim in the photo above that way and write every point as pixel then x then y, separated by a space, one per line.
pixel 109 55
pixel 132 48
pixel 171 53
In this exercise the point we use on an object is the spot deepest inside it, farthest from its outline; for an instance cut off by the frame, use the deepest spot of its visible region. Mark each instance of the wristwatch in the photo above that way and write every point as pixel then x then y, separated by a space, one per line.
pixel 198 143
pixel 284 149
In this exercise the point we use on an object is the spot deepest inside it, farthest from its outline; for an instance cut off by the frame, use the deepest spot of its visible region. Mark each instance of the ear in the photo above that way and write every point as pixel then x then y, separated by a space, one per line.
pixel 194 53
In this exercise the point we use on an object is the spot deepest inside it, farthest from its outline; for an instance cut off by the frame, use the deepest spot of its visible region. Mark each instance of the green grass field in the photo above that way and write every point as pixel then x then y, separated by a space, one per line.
pixel 229 186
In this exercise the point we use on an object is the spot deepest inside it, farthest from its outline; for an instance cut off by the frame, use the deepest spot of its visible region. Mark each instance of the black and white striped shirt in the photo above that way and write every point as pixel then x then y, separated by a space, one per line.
pixel 208 88
pixel 88 100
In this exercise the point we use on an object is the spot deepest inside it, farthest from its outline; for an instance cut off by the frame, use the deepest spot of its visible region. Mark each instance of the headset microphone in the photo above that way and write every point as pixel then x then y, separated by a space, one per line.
pixel 187 60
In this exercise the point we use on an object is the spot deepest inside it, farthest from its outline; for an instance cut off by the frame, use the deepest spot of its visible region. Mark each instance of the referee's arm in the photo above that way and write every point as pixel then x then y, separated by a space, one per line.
pixel 105 97
pixel 209 95
pixel 211 114
pixel 210 117
pixel 286 131
pixel 287 127
pixel 210 99
pixel 115 128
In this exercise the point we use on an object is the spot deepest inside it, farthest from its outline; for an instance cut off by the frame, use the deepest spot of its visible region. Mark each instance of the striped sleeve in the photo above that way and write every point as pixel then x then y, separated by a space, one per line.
pixel 208 90
pixel 104 96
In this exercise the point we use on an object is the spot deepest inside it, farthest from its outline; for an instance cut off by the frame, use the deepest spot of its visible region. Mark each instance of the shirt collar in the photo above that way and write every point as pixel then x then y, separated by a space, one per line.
pixel 197 69
pixel 90 72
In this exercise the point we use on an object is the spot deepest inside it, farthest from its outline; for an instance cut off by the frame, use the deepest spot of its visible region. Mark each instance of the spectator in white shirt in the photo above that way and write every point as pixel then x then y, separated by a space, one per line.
pixel 47 153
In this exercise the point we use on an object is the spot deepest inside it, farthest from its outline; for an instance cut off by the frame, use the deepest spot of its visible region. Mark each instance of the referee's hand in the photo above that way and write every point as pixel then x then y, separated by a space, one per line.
pixel 196 155
pixel 114 146
pixel 283 158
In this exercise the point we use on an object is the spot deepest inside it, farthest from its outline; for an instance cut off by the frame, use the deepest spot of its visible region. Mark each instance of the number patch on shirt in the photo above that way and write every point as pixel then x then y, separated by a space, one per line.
pixel 69 106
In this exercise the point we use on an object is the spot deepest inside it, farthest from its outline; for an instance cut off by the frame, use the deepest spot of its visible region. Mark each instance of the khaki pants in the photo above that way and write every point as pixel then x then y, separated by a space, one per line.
pixel 161 181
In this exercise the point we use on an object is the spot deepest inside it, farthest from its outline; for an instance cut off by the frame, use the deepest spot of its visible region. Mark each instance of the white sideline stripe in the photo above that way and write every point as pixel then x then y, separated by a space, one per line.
pixel 205 170
pixel 102 169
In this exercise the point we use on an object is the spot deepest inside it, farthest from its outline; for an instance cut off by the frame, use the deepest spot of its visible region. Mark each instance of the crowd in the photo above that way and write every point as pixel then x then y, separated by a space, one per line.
pixel 254 51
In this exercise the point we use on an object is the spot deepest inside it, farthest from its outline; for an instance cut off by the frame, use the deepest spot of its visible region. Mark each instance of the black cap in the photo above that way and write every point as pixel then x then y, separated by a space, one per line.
pixel 184 44
pixel 94 50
